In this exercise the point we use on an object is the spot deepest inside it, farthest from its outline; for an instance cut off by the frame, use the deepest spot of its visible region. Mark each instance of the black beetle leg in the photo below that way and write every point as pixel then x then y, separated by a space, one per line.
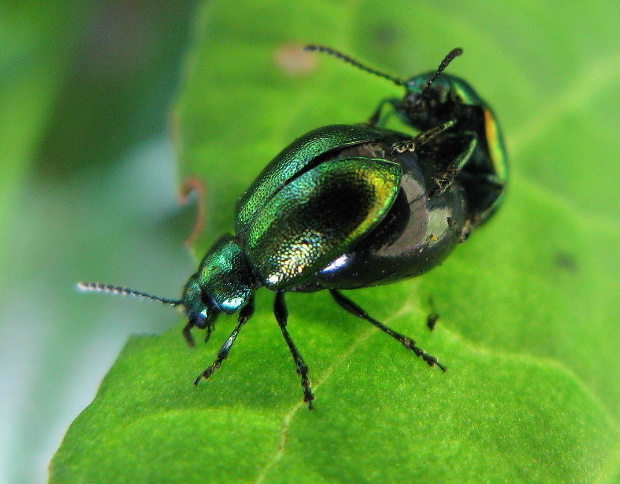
pixel 208 333
pixel 187 334
pixel 245 314
pixel 459 150
pixel 461 160
pixel 407 342
pixel 494 181
pixel 422 138
pixel 375 120
pixel 281 314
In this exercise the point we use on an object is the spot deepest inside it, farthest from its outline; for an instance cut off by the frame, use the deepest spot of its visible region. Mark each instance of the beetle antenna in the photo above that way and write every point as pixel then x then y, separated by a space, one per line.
pixel 353 62
pixel 123 291
pixel 444 63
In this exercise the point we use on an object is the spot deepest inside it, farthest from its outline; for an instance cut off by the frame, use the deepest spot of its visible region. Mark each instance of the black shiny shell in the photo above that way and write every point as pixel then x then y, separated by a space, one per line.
pixel 422 227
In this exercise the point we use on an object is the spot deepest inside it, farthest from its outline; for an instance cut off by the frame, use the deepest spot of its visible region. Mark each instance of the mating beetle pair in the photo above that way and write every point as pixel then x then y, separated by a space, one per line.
pixel 345 207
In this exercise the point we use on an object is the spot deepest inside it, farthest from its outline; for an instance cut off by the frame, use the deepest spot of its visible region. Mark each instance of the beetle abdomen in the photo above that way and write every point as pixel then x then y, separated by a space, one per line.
pixel 422 227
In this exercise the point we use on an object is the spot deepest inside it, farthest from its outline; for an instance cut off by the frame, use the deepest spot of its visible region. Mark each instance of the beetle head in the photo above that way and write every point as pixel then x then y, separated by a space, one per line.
pixel 222 284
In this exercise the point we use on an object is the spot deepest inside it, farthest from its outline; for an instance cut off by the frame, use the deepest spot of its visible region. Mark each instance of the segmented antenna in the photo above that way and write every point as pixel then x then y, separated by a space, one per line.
pixel 353 62
pixel 444 63
pixel 123 291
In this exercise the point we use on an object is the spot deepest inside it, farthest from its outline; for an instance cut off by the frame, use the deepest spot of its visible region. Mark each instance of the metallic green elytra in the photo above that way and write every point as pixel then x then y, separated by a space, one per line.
pixel 434 98
pixel 316 222
pixel 341 207
pixel 307 221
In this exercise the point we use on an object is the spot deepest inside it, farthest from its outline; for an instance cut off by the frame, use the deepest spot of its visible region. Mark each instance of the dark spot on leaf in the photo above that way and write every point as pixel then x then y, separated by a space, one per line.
pixel 385 35
pixel 566 262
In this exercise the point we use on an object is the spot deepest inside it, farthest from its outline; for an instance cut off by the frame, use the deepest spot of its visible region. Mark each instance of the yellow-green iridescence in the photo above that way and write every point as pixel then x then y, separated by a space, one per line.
pixel 291 161
pixel 496 146
pixel 317 216
pixel 464 93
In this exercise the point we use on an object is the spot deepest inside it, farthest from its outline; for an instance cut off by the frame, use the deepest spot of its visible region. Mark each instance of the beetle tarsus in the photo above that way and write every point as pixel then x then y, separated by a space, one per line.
pixel 281 314
pixel 208 333
pixel 209 371
pixel 407 342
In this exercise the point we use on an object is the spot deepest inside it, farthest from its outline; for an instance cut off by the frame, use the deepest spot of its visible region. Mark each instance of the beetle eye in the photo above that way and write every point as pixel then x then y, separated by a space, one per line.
pixel 201 319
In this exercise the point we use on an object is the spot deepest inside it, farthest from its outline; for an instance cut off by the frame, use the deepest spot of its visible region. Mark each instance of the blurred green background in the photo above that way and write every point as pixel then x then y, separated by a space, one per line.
pixel 87 191
pixel 88 186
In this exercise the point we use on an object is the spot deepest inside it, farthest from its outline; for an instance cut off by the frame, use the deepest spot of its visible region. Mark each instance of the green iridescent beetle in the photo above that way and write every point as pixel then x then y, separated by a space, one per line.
pixel 342 207
pixel 434 98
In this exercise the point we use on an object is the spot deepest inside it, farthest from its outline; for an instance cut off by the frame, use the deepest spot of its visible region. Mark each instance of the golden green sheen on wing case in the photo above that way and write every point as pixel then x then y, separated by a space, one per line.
pixel 301 153
pixel 317 216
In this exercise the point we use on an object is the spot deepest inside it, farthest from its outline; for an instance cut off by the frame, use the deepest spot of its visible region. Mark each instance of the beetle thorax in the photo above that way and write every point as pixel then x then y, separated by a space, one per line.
pixel 223 283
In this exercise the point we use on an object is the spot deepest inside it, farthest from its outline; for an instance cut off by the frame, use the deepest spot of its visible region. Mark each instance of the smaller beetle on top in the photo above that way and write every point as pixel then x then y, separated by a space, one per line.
pixel 434 98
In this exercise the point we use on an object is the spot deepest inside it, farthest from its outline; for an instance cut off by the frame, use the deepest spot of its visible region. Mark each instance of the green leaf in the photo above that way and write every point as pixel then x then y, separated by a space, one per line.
pixel 528 306
pixel 64 66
